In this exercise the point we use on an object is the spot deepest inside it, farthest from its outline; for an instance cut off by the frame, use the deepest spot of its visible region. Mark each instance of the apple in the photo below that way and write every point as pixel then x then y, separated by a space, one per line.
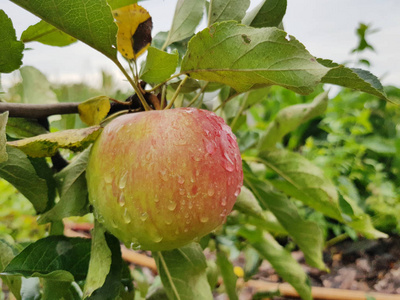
pixel 161 179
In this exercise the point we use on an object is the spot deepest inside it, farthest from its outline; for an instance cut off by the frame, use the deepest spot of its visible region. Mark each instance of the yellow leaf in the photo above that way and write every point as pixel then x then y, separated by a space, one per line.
pixel 48 144
pixel 93 111
pixel 134 30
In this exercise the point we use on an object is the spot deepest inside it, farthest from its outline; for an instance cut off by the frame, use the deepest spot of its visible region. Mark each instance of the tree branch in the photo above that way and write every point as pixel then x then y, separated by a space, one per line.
pixel 37 111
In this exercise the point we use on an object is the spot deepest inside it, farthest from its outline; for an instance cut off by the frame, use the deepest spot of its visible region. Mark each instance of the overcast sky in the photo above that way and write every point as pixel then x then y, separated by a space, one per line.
pixel 325 27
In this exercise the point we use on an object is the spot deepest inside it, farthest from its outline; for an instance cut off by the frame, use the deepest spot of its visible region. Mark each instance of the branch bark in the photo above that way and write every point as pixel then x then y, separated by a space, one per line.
pixel 37 111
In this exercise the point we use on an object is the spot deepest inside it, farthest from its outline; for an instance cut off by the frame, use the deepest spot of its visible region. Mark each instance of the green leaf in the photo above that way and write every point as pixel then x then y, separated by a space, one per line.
pixel 234 54
pixel 188 14
pixel 94 110
pixel 304 181
pixel 252 262
pixel 7 253
pixel 56 257
pixel 3 138
pixel 281 260
pixel 159 65
pixel 36 87
pixel 55 289
pixel 183 273
pixel 47 34
pixel 353 78
pixel 290 118
pixel 100 261
pixel 10 49
pixel 269 13
pixel 228 275
pixel 90 21
pixel 23 128
pixel 306 234
pixel 19 171
pixel 73 191
pixel 225 10
pixel 48 144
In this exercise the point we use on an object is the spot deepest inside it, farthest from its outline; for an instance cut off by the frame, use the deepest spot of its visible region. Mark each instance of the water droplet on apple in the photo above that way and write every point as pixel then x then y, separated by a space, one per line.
pixel 127 217
pixel 135 245
pixel 210 147
pixel 122 181
pixel 210 192
pixel 181 180
pixel 187 221
pixel 223 201
pixel 144 216
pixel 223 213
pixel 156 200
pixel 204 219
pixel 185 230
pixel 171 205
pixel 187 215
pixel 164 175
pixel 197 172
pixel 190 204
pixel 108 178
pixel 168 221
pixel 181 192
pixel 157 238
pixel 228 165
pixel 237 192
pixel 121 199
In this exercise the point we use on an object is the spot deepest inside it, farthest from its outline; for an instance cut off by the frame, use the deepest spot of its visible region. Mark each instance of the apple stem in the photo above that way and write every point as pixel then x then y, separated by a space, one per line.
pixel 171 102
pixel 198 94
pixel 134 85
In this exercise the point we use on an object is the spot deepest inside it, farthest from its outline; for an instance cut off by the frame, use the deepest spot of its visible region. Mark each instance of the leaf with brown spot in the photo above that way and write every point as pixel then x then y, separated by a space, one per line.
pixel 134 30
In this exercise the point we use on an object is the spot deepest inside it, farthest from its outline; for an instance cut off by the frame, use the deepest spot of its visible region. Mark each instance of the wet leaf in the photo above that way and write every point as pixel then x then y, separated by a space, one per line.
pixel 56 257
pixel 134 30
pixel 94 110
pixel 47 34
pixel 3 138
pixel 268 13
pixel 290 118
pixel 183 273
pixel 225 10
pixel 48 144
pixel 89 21
pixel 188 14
pixel 10 49
pixel 233 54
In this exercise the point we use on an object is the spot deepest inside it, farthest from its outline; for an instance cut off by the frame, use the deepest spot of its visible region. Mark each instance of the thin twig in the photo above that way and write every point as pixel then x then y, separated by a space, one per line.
pixel 241 109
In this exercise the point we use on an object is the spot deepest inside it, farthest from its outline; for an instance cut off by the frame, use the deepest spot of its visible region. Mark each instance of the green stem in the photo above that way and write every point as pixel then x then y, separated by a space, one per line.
pixel 198 95
pixel 171 102
pixel 241 109
pixel 134 85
